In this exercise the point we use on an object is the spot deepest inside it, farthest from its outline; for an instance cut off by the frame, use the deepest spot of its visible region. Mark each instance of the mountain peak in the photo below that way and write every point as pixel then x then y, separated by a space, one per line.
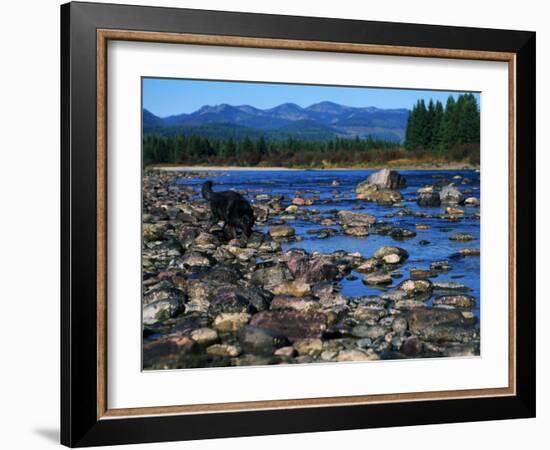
pixel 286 107
pixel 214 109
pixel 328 107
pixel 323 119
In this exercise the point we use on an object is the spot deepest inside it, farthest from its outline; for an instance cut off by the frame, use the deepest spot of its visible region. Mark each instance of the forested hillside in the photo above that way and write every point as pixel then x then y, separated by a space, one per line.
pixel 323 135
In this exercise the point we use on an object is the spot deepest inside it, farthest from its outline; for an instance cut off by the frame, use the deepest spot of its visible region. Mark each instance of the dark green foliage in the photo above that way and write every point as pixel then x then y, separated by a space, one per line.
pixel 441 129
pixel 292 151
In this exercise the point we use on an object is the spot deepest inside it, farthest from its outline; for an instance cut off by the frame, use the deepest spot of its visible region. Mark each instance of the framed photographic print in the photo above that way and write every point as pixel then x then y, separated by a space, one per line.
pixel 277 224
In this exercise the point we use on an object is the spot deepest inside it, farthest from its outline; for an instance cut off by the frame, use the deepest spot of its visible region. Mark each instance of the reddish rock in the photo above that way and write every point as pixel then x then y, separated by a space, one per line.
pixel 166 351
pixel 315 270
pixel 412 346
pixel 292 324
pixel 420 318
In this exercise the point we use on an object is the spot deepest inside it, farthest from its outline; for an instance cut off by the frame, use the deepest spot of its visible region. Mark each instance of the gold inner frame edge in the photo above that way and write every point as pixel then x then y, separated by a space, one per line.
pixel 103 36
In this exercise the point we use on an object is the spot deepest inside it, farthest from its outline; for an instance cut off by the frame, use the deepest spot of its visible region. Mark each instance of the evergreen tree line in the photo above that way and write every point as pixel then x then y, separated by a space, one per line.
pixel 195 149
pixel 442 129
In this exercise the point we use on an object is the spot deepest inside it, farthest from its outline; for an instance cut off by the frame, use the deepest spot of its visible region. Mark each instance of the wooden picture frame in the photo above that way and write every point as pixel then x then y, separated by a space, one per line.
pixel 85 416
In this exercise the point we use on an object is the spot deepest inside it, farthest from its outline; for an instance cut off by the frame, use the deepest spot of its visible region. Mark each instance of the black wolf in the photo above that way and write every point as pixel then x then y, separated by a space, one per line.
pixel 231 208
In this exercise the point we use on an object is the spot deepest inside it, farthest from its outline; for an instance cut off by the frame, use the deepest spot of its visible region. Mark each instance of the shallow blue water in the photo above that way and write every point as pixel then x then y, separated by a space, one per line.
pixel 319 182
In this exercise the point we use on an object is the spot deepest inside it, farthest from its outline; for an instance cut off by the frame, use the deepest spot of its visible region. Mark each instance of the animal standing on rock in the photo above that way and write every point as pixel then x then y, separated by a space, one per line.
pixel 231 208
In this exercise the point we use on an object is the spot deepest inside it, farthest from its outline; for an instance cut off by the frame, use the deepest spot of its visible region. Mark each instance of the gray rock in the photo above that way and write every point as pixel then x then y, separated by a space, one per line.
pixel 430 199
pixel 260 341
pixel 458 301
pixel 377 278
pixel 382 252
pixel 385 178
pixel 355 219
pixel 372 332
pixel 399 325
pixel 450 195
pixel 161 310
pixel 462 237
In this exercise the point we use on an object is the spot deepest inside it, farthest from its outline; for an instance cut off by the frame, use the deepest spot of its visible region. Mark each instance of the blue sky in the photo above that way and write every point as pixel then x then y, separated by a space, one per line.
pixel 165 97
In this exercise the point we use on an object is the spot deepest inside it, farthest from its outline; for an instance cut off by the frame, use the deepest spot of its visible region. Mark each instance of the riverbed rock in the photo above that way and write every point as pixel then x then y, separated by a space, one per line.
pixel 372 193
pixel 223 350
pixel 355 219
pixel 454 211
pixel 385 178
pixel 420 318
pixel 229 299
pixel 162 293
pixel 370 313
pixel 469 251
pixel 230 322
pixel 286 302
pixel 270 276
pixel 204 336
pixel 399 325
pixel 395 254
pixel 161 310
pixel 407 304
pixel 315 270
pixel 377 278
pixel 356 231
pixel 412 346
pixel 357 355
pixel 448 333
pixel 296 288
pixel 369 265
pixel 440 266
pixel 450 195
pixel 458 301
pixel 166 352
pixel 462 237
pixel 456 350
pixel 311 347
pixel 281 231
pixel 416 287
pixel 401 233
pixel 287 351
pixel 197 259
pixel 260 341
pixel 431 199
pixel 450 286
pixel 372 332
pixel 292 324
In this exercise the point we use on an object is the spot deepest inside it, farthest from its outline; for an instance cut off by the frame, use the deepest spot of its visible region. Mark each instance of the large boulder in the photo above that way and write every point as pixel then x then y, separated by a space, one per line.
pixel 385 179
pixel 450 195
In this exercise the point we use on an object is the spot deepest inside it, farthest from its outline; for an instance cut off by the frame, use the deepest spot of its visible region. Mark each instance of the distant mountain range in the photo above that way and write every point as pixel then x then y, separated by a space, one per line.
pixel 321 121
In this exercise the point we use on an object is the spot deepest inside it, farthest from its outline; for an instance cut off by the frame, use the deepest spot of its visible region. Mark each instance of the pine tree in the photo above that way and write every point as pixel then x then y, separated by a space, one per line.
pixel 448 125
pixel 437 126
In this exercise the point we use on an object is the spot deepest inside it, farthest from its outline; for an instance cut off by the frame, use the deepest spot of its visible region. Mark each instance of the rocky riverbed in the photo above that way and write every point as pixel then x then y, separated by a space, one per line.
pixel 281 297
